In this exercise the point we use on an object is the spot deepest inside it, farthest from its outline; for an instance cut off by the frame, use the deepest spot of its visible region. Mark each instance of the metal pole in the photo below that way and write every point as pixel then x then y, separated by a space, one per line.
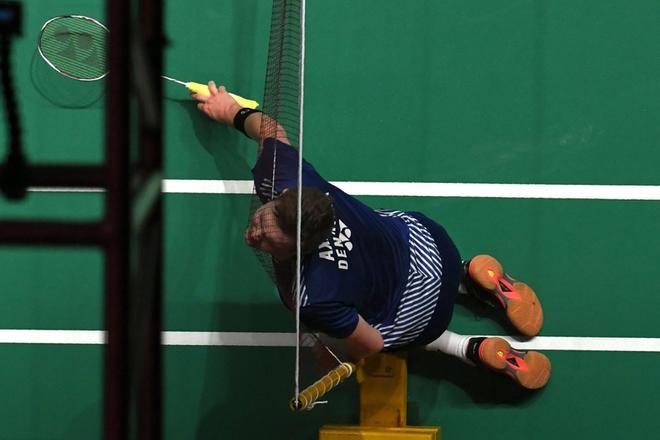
pixel 117 118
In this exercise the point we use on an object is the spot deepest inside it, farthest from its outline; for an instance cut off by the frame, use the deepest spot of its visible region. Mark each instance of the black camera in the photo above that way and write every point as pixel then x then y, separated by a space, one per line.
pixel 10 18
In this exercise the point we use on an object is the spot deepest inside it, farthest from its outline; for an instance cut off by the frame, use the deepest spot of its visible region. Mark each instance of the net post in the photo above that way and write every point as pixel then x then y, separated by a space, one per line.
pixel 383 380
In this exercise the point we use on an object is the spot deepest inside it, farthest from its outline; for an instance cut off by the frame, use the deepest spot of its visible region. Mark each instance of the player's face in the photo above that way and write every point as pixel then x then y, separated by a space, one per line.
pixel 264 234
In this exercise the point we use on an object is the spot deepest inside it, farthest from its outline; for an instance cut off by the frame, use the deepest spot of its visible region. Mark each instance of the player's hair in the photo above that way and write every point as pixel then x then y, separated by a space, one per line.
pixel 318 216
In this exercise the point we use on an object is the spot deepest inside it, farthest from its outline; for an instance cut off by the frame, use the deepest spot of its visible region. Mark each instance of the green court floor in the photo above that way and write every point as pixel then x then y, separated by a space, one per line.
pixel 517 92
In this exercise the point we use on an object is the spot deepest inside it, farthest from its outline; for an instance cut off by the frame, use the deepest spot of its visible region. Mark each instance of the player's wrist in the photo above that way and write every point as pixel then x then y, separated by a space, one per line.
pixel 241 117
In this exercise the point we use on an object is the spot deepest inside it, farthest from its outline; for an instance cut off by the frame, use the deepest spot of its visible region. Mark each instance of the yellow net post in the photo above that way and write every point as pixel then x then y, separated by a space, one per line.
pixel 383 380
pixel 383 383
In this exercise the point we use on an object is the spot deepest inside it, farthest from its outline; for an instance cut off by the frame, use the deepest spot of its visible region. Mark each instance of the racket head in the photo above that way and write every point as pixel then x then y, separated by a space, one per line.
pixel 75 46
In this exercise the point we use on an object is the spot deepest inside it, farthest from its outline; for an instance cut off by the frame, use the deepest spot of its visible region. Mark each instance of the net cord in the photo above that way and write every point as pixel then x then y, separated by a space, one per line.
pixel 301 101
pixel 319 341
pixel 43 56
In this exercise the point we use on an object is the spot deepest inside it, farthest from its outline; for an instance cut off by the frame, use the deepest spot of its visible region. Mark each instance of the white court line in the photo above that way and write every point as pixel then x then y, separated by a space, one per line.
pixel 255 339
pixel 421 189
pixel 91 337
pixel 587 344
pixel 413 189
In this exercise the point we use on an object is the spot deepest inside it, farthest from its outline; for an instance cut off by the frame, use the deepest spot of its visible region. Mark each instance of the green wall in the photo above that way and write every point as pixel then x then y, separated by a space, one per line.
pixel 433 91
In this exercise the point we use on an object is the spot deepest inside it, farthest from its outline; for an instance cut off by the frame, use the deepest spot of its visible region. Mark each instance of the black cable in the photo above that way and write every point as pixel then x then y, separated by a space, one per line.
pixel 13 181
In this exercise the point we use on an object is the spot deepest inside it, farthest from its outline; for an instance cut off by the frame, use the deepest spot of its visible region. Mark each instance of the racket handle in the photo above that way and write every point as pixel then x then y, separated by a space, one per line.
pixel 245 103
pixel 203 89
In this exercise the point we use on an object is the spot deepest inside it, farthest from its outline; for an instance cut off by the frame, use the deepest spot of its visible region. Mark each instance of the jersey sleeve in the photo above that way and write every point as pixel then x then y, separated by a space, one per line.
pixel 334 319
pixel 277 169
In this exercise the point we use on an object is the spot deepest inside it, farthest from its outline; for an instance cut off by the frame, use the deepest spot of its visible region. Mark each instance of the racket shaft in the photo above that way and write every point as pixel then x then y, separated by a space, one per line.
pixel 173 80
pixel 203 89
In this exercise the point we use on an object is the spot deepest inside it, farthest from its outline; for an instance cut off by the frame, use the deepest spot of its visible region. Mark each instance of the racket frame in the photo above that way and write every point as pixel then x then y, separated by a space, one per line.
pixel 41 33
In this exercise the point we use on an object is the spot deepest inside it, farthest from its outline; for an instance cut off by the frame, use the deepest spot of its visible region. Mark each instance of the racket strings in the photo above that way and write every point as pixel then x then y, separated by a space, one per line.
pixel 75 46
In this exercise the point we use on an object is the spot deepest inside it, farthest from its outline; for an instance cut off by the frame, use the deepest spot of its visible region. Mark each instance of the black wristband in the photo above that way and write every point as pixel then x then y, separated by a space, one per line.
pixel 241 116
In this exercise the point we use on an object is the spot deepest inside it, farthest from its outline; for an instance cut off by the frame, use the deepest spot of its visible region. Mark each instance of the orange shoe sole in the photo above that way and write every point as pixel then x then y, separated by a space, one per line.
pixel 530 369
pixel 522 306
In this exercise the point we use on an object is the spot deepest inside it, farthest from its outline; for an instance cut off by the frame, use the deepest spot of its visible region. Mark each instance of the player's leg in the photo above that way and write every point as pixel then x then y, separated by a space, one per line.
pixel 487 280
pixel 529 369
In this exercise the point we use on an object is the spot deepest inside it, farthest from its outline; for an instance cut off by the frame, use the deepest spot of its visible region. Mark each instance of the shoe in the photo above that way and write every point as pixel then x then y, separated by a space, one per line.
pixel 519 301
pixel 530 369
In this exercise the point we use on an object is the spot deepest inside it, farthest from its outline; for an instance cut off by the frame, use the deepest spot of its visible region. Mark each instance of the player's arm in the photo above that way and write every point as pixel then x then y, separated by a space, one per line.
pixel 221 107
pixel 364 341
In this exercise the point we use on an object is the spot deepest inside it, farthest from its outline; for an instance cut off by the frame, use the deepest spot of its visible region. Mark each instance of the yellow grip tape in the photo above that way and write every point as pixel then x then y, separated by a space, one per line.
pixel 203 89
pixel 312 393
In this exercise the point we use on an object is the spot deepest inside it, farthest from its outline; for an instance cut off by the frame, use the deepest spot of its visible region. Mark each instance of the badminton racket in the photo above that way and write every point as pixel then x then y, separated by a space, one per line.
pixel 75 46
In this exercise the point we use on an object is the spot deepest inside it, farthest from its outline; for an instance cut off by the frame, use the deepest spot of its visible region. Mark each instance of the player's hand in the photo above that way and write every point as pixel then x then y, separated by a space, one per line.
pixel 219 105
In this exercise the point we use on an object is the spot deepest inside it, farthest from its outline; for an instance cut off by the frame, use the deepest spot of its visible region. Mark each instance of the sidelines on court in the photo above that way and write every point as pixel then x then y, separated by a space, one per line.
pixel 249 339
pixel 401 189
pixel 421 189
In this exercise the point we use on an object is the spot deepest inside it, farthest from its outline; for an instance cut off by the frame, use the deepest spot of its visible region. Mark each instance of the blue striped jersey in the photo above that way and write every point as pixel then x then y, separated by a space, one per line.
pixel 381 265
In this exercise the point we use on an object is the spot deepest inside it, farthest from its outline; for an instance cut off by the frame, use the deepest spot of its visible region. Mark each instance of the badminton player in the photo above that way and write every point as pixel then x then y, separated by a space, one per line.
pixel 375 279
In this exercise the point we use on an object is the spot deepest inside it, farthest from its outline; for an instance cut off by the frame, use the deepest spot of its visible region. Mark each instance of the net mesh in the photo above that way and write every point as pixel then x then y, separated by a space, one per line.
pixel 282 86
pixel 75 46
pixel 282 107
pixel 281 100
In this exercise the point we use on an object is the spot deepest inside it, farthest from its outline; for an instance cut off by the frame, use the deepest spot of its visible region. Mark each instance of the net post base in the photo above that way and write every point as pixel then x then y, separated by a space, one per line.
pixel 339 432
pixel 383 380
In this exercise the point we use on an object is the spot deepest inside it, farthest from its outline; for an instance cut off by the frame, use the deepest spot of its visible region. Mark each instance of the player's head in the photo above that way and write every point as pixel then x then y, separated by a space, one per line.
pixel 272 228
pixel 318 216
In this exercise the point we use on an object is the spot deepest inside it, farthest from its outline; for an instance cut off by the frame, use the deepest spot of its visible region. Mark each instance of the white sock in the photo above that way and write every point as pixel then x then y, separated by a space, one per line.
pixel 452 344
